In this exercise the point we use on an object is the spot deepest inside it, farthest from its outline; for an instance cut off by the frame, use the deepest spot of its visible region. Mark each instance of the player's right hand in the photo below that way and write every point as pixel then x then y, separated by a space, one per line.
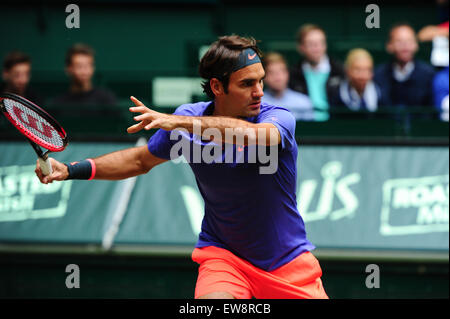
pixel 60 172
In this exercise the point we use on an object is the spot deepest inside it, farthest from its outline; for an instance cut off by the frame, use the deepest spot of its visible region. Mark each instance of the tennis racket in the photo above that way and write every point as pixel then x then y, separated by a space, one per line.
pixel 40 128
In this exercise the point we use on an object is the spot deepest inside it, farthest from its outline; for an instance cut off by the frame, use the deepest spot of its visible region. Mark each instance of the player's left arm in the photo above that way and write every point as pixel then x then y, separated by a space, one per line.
pixel 232 130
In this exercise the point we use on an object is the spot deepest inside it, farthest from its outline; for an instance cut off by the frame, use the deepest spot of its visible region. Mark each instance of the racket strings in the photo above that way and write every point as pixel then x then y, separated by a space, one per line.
pixel 33 124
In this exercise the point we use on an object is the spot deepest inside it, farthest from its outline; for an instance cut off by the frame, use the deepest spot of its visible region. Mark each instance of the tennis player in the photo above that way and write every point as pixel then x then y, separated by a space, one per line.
pixel 253 241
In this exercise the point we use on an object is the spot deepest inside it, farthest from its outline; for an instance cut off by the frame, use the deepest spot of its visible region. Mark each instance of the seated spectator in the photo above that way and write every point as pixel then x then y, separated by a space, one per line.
pixel 405 81
pixel 277 92
pixel 357 93
pixel 80 68
pixel 429 32
pixel 17 74
pixel 316 73
pixel 438 35
pixel 440 92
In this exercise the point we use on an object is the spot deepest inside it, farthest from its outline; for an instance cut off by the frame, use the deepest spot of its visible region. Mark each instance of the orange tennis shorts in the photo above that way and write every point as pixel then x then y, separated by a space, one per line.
pixel 222 271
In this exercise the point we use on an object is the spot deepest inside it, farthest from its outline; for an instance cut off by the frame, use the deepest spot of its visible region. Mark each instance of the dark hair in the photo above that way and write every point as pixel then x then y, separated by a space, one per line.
pixel 78 48
pixel 13 58
pixel 399 25
pixel 220 59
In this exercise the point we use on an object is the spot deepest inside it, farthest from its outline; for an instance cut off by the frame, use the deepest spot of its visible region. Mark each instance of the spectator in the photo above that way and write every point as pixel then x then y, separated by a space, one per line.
pixel 440 92
pixel 405 81
pixel 17 74
pixel 438 35
pixel 277 91
pixel 316 73
pixel 429 32
pixel 358 93
pixel 80 68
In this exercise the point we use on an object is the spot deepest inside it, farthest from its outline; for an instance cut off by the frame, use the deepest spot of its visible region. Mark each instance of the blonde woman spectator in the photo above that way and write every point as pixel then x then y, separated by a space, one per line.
pixel 357 92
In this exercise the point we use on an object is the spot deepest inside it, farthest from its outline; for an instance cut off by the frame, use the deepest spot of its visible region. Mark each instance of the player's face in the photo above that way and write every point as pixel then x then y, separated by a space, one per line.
pixel 245 90
pixel 277 76
pixel 17 77
pixel 403 44
pixel 314 46
pixel 82 68
pixel 360 72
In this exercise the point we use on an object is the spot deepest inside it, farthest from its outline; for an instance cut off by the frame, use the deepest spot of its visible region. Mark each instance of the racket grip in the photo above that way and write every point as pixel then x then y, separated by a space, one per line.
pixel 46 166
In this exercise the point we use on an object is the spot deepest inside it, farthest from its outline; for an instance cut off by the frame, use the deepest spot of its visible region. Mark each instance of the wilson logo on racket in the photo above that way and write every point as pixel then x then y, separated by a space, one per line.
pixel 33 122
pixel 39 127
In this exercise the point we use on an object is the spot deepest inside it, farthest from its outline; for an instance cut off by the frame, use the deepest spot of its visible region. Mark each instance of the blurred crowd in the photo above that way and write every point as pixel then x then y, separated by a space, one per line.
pixel 317 88
pixel 79 67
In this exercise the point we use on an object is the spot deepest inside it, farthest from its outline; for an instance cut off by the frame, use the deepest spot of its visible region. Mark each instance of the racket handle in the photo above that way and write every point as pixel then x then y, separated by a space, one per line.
pixel 46 166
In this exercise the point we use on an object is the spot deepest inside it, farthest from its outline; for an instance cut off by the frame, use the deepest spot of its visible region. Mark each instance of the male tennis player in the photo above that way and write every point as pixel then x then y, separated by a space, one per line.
pixel 253 241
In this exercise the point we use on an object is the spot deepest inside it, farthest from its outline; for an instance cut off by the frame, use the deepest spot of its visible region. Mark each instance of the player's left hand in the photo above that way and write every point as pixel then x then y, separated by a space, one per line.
pixel 149 118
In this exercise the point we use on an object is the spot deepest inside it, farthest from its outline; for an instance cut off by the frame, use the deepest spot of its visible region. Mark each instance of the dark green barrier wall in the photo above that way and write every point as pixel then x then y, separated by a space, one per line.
pixel 128 276
pixel 138 37
pixel 127 37
pixel 136 41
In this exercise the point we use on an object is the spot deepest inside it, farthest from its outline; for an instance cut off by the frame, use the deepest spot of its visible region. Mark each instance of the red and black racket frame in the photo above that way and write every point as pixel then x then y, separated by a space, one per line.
pixel 40 112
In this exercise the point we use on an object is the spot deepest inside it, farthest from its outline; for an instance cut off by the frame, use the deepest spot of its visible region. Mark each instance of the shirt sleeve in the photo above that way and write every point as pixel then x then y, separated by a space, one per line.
pixel 285 123
pixel 160 143
pixel 440 90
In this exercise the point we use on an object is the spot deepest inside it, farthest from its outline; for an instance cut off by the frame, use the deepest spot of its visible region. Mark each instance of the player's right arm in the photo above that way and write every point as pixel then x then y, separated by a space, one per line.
pixel 113 166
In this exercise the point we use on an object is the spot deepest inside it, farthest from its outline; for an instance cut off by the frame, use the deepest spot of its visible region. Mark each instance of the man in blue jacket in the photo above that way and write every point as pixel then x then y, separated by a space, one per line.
pixel 405 82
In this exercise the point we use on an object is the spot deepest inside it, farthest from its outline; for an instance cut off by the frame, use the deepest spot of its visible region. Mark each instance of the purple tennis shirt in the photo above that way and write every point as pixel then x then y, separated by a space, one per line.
pixel 253 215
